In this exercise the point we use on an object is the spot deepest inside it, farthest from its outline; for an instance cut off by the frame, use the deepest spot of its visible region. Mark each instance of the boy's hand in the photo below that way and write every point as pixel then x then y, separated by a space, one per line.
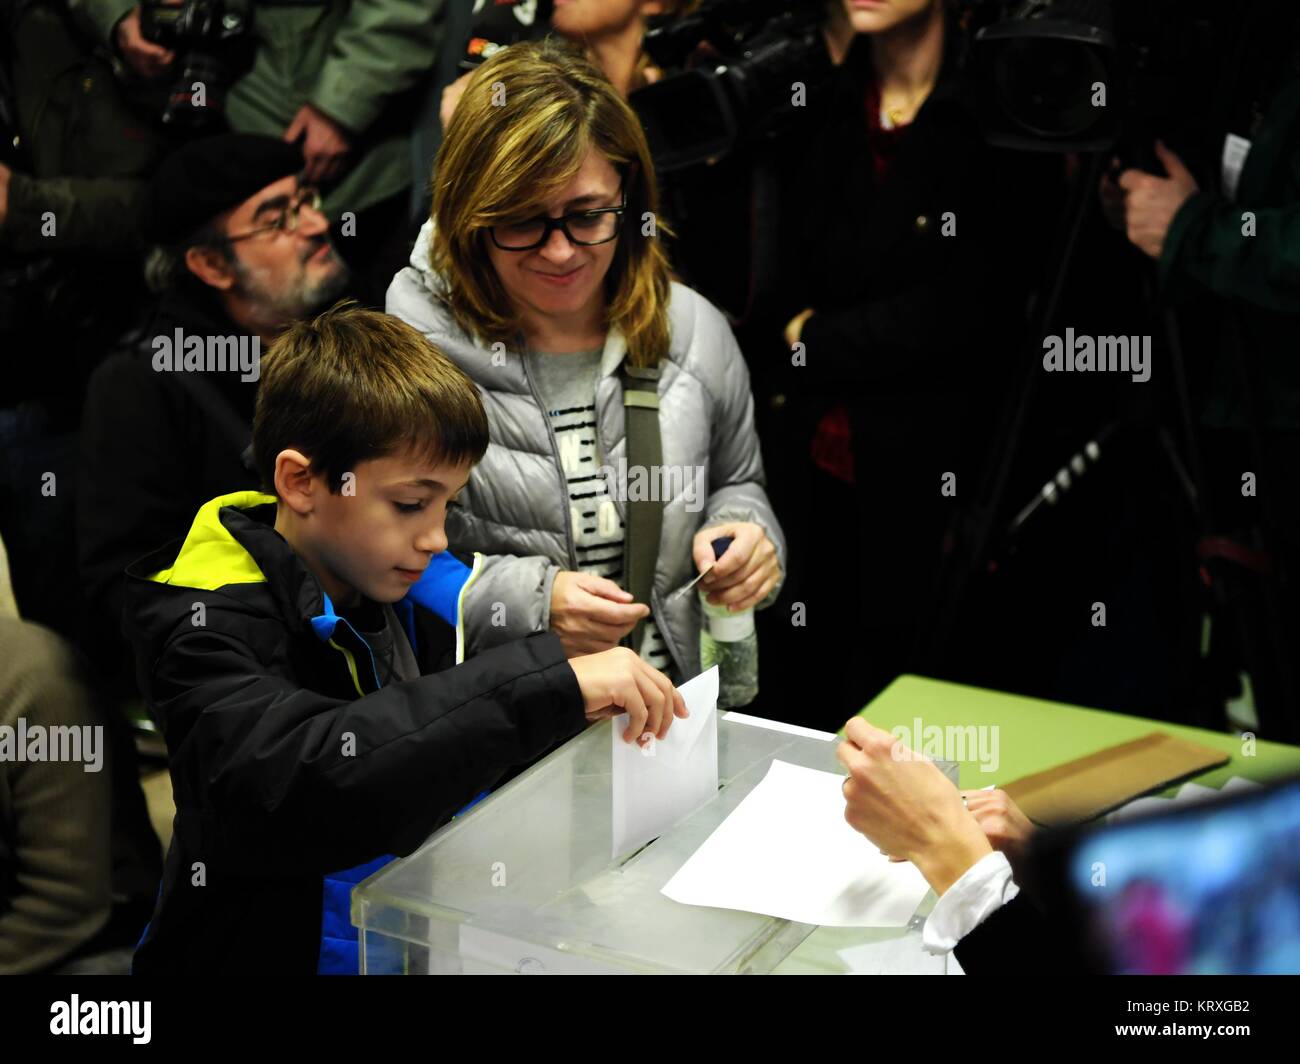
pixel 590 613
pixel 618 681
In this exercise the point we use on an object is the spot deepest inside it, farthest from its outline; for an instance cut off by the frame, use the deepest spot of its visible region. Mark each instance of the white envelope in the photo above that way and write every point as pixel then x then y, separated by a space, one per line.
pixel 657 785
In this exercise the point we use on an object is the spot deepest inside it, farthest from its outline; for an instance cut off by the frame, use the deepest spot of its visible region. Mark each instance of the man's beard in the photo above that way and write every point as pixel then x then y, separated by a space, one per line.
pixel 276 303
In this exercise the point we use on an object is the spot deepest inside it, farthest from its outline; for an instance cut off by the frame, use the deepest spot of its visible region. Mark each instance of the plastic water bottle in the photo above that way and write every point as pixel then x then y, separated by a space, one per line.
pixel 729 641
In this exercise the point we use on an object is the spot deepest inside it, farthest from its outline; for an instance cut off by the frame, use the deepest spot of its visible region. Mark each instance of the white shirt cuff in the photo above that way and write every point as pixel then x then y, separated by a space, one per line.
pixel 983 888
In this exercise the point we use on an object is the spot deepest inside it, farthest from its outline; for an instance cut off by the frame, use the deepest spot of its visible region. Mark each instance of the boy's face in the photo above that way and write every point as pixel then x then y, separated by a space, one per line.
pixel 378 541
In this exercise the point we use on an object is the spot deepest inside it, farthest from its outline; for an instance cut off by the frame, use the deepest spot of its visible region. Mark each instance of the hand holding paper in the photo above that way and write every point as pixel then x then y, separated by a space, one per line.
pixel 617 682
pixel 786 851
pixel 661 781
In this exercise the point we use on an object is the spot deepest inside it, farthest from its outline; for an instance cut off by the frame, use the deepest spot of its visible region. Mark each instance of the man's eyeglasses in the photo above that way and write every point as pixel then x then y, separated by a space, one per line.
pixel 286 218
pixel 583 228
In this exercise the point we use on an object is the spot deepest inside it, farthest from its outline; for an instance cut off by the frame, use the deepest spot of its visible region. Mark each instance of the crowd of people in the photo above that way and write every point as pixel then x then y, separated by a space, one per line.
pixel 324 339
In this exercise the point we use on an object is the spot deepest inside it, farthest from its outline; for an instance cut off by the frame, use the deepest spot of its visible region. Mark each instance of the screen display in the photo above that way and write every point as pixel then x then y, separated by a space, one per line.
pixel 1210 890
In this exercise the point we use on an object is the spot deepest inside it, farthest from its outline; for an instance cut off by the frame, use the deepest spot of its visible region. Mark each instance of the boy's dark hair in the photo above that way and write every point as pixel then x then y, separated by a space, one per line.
pixel 356 384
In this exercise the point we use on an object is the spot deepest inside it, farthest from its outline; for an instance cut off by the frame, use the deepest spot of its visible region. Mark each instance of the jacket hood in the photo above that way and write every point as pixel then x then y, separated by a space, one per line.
pixel 236 558
pixel 233 554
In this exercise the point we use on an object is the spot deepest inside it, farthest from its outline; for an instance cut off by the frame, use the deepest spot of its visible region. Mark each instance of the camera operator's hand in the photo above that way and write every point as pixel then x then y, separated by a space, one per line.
pixel 325 143
pixel 590 613
pixel 147 59
pixel 1150 202
pixel 748 569
pixel 617 681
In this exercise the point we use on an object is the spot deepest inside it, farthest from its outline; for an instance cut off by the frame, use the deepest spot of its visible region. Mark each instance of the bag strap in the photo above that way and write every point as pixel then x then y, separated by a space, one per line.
pixel 645 517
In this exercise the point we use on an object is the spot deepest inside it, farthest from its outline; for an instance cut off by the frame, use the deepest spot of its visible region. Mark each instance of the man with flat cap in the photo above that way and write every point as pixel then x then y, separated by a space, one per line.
pixel 241 250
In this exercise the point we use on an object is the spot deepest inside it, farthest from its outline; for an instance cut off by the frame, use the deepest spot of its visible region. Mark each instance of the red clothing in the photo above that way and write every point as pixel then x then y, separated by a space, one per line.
pixel 832 443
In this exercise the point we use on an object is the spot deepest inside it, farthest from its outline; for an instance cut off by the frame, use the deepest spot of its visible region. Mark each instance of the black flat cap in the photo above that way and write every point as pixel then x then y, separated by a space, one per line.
pixel 205 177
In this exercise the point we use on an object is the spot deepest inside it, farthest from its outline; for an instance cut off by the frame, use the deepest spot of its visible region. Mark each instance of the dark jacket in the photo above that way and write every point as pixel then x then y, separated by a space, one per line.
pixel 356 61
pixel 155 446
pixel 1249 268
pixel 289 761
pixel 918 281
pixel 1017 940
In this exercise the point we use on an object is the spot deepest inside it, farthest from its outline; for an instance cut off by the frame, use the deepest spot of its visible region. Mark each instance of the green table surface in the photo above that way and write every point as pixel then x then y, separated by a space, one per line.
pixel 1032 735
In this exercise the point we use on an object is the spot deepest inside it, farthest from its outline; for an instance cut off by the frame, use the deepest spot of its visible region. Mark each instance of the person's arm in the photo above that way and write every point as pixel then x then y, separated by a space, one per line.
pixel 98 214
pixel 507 596
pixel 380 49
pixel 979 892
pixel 294 780
pixel 127 502
pixel 61 882
pixel 901 802
pixel 978 276
pixel 736 491
pixel 1206 245
pixel 102 16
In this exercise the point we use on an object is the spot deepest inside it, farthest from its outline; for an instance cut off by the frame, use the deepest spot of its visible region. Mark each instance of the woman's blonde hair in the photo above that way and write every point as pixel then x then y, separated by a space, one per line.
pixel 521 131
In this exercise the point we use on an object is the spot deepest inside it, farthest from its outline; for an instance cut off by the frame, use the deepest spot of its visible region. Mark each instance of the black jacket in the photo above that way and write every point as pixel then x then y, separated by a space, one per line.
pixel 919 281
pixel 288 761
pixel 155 446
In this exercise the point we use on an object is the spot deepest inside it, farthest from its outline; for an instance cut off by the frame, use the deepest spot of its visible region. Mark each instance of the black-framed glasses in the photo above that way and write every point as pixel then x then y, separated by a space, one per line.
pixel 583 228
pixel 286 218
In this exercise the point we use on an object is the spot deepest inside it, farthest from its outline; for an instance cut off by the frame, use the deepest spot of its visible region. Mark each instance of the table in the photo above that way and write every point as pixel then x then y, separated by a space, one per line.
pixel 1033 735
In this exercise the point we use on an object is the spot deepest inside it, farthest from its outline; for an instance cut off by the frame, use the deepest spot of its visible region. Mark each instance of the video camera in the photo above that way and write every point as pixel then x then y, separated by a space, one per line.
pixel 1081 75
pixel 733 65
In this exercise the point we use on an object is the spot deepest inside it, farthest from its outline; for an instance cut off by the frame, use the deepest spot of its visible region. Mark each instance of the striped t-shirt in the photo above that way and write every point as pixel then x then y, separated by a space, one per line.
pixel 567 385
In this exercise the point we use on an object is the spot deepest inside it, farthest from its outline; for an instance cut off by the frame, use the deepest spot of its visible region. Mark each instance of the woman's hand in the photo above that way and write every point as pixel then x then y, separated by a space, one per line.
pixel 747 571
pixel 907 807
pixel 618 681
pixel 590 613
pixel 1004 825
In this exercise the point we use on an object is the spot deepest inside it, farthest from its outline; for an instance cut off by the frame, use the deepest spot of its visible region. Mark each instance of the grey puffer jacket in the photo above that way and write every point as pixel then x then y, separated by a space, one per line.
pixel 515 509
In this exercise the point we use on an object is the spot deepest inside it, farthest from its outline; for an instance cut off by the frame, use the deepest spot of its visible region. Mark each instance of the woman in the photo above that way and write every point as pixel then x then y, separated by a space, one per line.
pixel 543 316
pixel 609 31
pixel 908 249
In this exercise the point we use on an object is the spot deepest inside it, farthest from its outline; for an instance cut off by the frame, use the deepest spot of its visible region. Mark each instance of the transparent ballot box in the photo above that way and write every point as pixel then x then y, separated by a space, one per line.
pixel 523 882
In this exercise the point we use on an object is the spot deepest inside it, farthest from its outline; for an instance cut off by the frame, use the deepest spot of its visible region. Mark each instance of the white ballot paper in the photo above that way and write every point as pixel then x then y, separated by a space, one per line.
pixel 658 784
pixel 787 851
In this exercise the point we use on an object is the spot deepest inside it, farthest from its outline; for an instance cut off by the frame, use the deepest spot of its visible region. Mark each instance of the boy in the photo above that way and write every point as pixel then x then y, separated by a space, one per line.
pixel 305 733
